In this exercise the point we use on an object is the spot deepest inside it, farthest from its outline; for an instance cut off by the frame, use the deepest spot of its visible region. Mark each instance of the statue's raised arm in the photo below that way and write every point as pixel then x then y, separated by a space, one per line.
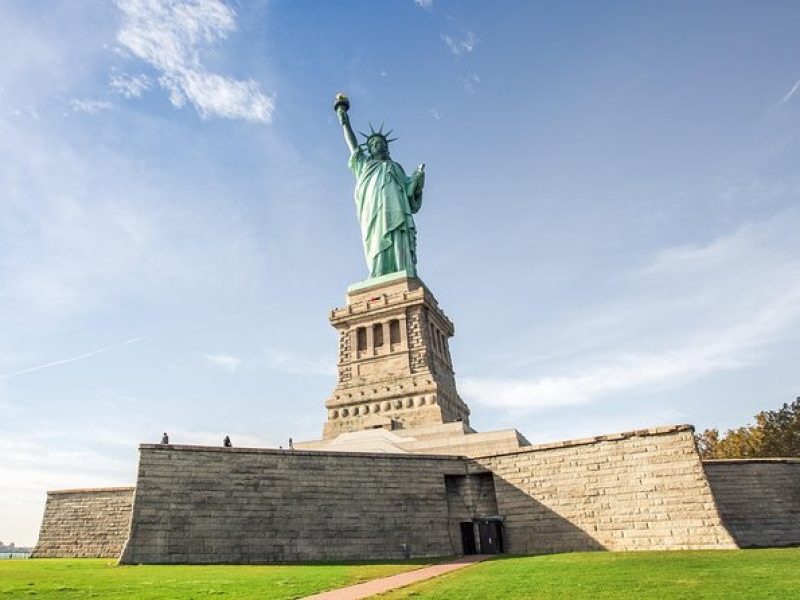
pixel 341 106
pixel 386 199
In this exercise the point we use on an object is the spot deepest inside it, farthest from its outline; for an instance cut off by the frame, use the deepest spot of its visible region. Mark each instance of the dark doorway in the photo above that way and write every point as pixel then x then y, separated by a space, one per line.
pixel 490 532
pixel 468 538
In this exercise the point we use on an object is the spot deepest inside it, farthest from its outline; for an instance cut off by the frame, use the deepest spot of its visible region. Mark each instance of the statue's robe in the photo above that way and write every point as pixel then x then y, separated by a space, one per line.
pixel 385 202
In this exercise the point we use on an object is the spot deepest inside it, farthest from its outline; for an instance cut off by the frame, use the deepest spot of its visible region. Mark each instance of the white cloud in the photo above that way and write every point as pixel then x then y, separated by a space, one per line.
pixel 89 106
pixel 436 114
pixel 130 86
pixel 791 93
pixel 468 82
pixel 424 4
pixel 170 35
pixel 693 311
pixel 460 45
pixel 224 361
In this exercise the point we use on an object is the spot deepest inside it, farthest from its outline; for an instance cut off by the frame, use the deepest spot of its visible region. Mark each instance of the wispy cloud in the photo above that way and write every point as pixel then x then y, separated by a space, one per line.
pixel 130 86
pixel 703 355
pixel 706 309
pixel 790 94
pixel 171 35
pixel 29 111
pixel 90 106
pixel 468 82
pixel 292 363
pixel 74 249
pixel 122 396
pixel 460 45
pixel 435 114
pixel 424 4
pixel 85 228
pixel 38 461
pixel 71 359
pixel 224 361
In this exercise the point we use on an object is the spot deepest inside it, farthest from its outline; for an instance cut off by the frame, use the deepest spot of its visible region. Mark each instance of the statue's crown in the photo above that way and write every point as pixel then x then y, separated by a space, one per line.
pixel 379 133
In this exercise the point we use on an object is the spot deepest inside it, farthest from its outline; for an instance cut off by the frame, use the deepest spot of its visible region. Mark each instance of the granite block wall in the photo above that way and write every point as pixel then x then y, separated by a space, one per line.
pixel 197 504
pixel 642 490
pixel 758 499
pixel 85 523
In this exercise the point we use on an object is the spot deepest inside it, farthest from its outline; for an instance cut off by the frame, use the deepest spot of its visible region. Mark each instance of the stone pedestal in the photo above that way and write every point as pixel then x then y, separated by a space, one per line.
pixel 394 368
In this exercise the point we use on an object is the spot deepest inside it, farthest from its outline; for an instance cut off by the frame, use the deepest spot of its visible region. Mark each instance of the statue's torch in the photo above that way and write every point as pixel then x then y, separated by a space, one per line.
pixel 341 101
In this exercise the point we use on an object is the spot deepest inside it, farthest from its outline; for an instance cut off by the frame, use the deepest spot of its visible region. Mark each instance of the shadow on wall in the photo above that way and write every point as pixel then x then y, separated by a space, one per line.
pixel 530 527
pixel 469 497
pixel 758 500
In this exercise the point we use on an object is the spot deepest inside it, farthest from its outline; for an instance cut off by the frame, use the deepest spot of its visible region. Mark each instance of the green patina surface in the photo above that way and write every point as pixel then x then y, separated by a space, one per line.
pixel 386 199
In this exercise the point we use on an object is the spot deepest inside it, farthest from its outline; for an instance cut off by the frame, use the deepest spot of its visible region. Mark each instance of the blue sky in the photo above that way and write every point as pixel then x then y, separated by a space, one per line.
pixel 611 216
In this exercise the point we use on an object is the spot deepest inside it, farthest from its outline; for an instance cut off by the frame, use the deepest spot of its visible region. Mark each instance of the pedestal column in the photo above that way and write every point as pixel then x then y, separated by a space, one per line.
pixel 405 384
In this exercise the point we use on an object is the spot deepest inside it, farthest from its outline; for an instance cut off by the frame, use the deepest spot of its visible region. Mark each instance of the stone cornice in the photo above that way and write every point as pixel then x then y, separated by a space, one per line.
pixel 611 437
pixel 92 490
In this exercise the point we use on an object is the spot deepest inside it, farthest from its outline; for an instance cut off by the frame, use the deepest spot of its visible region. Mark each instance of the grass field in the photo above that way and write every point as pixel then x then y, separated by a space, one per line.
pixel 99 578
pixel 729 574
pixel 773 573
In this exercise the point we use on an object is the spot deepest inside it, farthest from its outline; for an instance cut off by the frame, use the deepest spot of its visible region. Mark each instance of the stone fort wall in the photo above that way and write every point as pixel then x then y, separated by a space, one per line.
pixel 758 499
pixel 85 523
pixel 197 504
pixel 642 490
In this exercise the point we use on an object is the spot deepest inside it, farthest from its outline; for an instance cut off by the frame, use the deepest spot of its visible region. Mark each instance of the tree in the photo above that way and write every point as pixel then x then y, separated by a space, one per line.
pixel 776 433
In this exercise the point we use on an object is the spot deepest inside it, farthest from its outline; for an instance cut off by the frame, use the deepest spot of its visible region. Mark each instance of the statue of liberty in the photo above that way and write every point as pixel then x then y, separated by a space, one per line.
pixel 386 198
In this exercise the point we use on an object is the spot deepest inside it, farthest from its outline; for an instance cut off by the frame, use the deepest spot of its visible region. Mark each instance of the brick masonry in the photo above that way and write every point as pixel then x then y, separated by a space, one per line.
pixel 758 499
pixel 85 523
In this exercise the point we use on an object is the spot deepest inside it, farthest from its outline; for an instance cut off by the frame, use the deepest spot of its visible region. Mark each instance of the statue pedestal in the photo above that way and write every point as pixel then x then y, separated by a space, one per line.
pixel 394 368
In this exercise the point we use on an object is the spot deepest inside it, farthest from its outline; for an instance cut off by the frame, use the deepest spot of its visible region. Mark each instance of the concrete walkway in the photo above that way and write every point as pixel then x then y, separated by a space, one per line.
pixel 378 586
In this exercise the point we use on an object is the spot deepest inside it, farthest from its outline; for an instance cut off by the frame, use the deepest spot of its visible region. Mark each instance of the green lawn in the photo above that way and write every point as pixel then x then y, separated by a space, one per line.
pixel 772 573
pixel 100 578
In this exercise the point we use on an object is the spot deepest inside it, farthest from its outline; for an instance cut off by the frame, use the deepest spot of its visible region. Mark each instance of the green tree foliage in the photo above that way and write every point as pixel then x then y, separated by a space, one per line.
pixel 776 433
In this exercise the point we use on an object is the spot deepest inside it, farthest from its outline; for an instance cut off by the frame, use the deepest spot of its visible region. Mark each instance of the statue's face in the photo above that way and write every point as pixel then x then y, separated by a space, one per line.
pixel 378 147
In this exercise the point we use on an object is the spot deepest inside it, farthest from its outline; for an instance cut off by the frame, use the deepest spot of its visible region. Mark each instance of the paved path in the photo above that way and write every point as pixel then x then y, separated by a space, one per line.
pixel 378 586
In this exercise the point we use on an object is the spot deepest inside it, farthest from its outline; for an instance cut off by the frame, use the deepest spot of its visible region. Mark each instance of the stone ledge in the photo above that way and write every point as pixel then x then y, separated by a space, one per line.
pixel 387 293
pixel 297 452
pixel 381 281
pixel 100 490
pixel 366 310
pixel 611 437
